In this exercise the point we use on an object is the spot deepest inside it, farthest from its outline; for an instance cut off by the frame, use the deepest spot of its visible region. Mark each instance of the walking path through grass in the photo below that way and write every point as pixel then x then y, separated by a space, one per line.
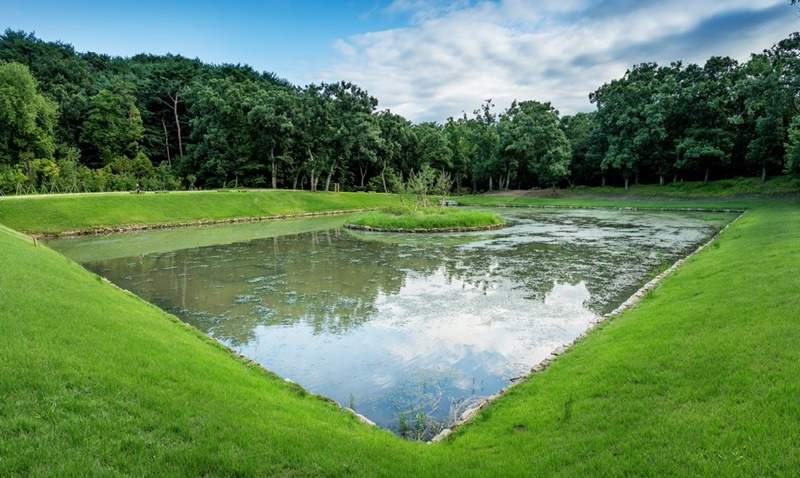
pixel 699 379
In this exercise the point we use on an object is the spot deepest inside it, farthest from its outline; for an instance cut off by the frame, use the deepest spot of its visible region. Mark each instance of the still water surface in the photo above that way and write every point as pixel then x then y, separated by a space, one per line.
pixel 396 324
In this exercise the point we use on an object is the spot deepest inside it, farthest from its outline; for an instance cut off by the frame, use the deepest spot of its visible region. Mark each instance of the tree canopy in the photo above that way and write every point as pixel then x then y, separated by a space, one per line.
pixel 88 121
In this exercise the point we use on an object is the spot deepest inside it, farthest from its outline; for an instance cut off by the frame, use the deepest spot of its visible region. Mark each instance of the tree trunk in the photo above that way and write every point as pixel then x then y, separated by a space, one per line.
pixel 312 184
pixel 274 168
pixel 660 179
pixel 763 173
pixel 166 139
pixel 174 108
pixel 636 178
pixel 177 123
pixel 383 178
pixel 490 184
pixel 328 181
pixel 674 178
pixel 705 179
pixel 626 183
pixel 508 180
pixel 603 183
pixel 363 172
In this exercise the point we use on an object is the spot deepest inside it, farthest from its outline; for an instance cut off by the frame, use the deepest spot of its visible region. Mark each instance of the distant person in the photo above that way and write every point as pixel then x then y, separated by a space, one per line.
pixel 138 189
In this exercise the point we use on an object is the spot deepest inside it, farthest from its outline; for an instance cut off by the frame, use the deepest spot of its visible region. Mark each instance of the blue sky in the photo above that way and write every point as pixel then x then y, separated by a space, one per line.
pixel 424 59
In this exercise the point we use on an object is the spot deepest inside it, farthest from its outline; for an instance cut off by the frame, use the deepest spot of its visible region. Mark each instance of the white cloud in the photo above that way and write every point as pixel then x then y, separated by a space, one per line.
pixel 454 55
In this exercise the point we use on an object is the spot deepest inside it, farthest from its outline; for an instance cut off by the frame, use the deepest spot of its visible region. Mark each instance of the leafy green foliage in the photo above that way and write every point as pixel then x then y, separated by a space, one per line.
pixel 27 118
pixel 532 142
pixel 413 193
pixel 114 126
pixel 229 125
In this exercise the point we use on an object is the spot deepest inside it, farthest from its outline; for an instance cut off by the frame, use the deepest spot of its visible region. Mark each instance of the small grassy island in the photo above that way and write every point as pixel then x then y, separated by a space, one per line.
pixel 416 214
pixel 427 219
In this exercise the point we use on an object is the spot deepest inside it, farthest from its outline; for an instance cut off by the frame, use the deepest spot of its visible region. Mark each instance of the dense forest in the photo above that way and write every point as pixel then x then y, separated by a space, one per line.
pixel 73 122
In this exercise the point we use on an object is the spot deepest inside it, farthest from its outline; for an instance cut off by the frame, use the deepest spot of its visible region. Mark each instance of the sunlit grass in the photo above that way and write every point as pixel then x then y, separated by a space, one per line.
pixel 725 188
pixel 90 212
pixel 96 382
pixel 700 379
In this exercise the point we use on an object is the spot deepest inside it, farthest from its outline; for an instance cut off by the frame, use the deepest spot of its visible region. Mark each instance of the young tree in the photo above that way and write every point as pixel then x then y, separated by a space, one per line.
pixel 222 149
pixel 315 134
pixel 632 123
pixel 396 143
pixel 462 151
pixel 770 91
pixel 114 126
pixel 431 146
pixel 530 133
pixel 367 143
pixel 701 129
pixel 580 130
pixel 62 75
pixel 272 125
pixel 482 128
pixel 793 147
pixel 356 136
pixel 27 118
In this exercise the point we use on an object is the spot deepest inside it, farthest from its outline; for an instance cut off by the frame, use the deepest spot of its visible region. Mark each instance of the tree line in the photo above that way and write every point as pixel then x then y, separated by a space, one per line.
pixel 74 122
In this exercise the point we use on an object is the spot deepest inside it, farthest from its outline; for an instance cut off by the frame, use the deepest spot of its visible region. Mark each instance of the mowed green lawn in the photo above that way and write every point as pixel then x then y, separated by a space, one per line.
pixel 89 212
pixel 700 379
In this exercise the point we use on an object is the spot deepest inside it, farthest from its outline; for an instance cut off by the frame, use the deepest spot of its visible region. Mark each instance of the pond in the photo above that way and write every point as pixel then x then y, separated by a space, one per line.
pixel 406 329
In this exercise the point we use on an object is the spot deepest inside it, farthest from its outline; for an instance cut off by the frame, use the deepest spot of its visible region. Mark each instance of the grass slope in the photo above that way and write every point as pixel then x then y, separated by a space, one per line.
pixel 87 212
pixel 97 382
pixel 619 202
pixel 699 379
pixel 726 188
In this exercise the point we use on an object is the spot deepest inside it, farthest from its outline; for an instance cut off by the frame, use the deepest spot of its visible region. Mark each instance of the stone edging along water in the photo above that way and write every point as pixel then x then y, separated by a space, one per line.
pixel 472 411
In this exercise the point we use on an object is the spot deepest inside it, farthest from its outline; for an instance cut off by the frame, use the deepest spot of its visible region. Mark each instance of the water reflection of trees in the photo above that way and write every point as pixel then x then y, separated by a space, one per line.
pixel 326 280
pixel 331 280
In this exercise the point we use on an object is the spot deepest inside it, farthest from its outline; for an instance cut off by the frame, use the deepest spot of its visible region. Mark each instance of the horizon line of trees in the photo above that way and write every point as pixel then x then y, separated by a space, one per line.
pixel 74 122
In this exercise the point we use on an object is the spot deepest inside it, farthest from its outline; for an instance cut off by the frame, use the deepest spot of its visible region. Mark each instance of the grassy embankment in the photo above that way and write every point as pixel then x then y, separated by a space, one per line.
pixel 726 188
pixel 88 212
pixel 699 379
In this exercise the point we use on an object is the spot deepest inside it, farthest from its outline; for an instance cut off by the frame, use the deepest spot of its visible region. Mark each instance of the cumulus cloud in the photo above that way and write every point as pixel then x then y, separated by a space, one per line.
pixel 451 56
